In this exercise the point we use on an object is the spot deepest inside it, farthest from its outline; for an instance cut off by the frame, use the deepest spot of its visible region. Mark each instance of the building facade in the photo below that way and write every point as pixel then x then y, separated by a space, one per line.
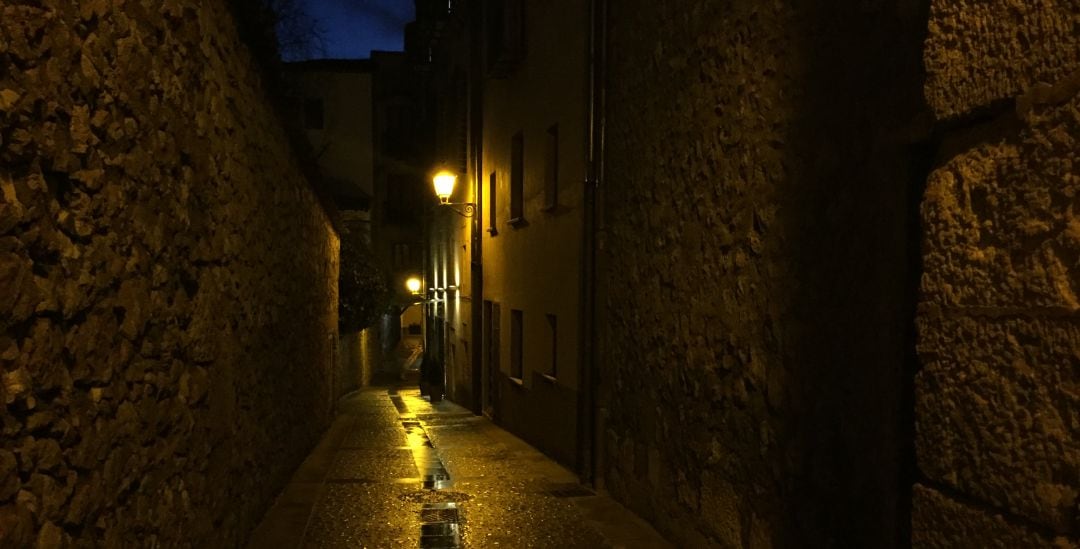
pixel 403 130
pixel 506 283
pixel 534 114
pixel 331 105
pixel 368 126
pixel 442 34
pixel 403 144
pixel 332 102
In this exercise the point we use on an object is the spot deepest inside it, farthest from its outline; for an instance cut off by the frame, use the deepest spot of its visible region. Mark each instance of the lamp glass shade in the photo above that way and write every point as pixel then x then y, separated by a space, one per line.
pixel 413 285
pixel 444 184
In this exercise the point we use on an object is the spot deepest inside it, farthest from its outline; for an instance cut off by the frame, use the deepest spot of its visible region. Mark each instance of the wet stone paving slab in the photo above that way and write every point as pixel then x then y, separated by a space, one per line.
pixel 374 465
pixel 400 471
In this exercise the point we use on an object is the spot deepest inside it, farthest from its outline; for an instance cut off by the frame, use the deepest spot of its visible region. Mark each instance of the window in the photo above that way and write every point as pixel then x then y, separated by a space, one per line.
pixel 553 327
pixel 492 193
pixel 551 169
pixel 504 38
pixel 517 178
pixel 313 113
pixel 517 366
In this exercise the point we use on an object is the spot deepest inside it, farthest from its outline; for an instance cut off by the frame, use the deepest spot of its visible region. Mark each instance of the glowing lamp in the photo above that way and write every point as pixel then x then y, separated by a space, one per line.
pixel 444 185
pixel 413 284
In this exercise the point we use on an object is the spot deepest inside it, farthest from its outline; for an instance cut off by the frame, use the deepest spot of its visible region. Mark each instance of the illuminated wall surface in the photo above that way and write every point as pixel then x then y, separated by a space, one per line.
pixel 531 264
pixel 167 281
pixel 785 181
pixel 448 236
pixel 448 232
pixel 997 400
pixel 534 265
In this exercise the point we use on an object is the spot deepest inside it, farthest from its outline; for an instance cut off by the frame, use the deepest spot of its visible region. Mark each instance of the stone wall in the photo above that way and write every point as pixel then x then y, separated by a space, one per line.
pixel 360 357
pixel 997 400
pixel 168 291
pixel 762 176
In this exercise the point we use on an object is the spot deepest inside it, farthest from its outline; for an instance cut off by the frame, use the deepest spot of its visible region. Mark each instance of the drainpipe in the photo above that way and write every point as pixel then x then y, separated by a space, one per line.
pixel 591 404
pixel 428 306
pixel 474 133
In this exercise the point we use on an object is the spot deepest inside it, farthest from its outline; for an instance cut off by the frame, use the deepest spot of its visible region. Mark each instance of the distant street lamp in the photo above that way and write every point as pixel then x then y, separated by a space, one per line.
pixel 444 187
pixel 413 285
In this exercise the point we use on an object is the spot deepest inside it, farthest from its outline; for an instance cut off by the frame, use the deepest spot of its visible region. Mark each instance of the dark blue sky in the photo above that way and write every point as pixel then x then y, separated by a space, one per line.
pixel 352 28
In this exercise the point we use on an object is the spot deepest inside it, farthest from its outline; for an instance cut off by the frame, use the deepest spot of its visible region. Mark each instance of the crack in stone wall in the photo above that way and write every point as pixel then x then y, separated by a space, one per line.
pixel 168 291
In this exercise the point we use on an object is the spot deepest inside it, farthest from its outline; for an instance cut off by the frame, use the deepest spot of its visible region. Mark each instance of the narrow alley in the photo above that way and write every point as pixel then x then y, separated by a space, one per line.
pixel 552 274
pixel 395 470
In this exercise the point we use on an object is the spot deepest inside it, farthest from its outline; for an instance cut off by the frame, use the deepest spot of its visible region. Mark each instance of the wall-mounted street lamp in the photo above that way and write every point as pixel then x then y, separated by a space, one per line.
pixel 444 187
pixel 413 285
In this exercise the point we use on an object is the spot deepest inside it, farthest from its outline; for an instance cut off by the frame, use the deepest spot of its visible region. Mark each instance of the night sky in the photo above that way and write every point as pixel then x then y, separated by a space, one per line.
pixel 352 28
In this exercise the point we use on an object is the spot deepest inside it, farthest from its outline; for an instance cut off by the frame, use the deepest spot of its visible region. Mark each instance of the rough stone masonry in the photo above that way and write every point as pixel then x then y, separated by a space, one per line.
pixel 767 379
pixel 998 395
pixel 758 182
pixel 168 292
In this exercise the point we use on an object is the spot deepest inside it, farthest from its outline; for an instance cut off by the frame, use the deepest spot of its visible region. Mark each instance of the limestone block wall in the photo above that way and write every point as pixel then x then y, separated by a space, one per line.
pixel 757 282
pixel 997 405
pixel 167 280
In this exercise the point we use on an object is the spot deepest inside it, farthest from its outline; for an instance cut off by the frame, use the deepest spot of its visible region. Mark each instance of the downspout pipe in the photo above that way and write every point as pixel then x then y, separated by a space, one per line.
pixel 474 133
pixel 591 404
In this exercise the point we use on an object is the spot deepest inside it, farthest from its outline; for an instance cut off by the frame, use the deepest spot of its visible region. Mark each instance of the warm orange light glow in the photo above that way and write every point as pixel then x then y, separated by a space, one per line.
pixel 413 284
pixel 444 185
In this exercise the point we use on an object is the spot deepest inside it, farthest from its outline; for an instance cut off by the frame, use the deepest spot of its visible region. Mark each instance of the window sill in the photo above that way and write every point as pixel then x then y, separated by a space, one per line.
pixel 518 222
pixel 549 378
pixel 550 208
pixel 517 381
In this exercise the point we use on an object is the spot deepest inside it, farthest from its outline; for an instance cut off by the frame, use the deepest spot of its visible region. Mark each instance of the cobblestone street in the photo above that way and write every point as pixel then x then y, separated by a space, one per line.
pixel 398 471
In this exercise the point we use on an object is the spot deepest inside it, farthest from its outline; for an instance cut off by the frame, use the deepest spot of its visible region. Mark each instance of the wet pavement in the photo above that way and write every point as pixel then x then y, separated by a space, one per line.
pixel 395 470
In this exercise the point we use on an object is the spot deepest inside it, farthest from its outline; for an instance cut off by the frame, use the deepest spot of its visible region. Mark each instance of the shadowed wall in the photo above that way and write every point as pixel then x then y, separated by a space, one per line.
pixel 168 281
pixel 757 268
pixel 807 176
